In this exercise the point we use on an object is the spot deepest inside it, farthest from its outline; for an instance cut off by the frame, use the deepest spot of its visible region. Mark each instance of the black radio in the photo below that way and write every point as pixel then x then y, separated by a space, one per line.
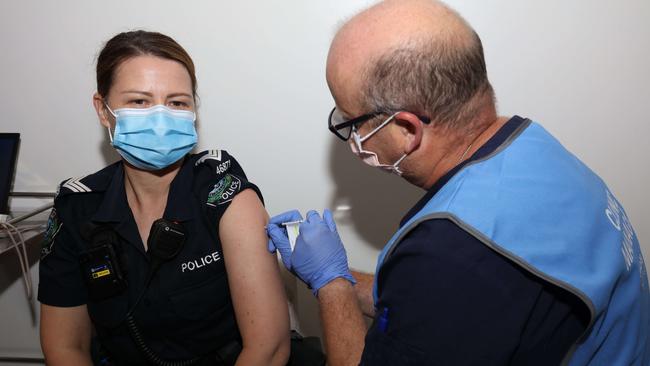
pixel 166 239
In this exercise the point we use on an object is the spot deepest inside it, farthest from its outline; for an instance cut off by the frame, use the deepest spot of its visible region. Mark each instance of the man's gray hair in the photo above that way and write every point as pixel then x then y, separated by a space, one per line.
pixel 442 80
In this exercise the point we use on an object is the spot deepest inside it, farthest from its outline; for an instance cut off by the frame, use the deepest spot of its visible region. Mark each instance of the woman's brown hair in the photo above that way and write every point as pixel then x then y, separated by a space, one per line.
pixel 126 45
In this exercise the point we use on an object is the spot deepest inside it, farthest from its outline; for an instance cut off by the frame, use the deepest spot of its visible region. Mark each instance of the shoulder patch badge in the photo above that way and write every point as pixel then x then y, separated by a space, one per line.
pixel 224 190
pixel 53 228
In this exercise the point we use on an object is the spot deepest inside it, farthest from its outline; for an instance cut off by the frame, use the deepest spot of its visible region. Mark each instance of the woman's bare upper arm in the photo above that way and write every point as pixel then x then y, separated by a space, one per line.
pixel 65 328
pixel 253 274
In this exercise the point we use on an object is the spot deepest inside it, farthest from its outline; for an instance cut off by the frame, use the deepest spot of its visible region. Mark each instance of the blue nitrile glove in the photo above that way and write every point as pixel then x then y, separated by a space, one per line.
pixel 319 256
pixel 278 238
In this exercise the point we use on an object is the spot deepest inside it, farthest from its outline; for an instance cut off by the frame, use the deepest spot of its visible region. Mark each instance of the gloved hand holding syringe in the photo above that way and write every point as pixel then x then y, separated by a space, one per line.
pixel 318 256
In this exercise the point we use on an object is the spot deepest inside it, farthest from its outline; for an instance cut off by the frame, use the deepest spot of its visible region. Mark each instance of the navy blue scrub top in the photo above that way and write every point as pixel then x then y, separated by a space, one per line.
pixel 453 301
pixel 187 310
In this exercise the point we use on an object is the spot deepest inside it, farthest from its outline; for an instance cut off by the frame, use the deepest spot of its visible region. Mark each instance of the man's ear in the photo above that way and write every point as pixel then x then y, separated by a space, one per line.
pixel 104 116
pixel 411 127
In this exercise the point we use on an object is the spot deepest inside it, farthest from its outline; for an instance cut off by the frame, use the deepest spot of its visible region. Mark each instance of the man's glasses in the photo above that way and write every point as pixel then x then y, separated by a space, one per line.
pixel 343 129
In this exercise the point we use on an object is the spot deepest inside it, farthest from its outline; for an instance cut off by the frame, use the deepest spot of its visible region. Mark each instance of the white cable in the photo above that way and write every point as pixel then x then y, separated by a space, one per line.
pixel 27 273
pixel 22 257
pixel 26 228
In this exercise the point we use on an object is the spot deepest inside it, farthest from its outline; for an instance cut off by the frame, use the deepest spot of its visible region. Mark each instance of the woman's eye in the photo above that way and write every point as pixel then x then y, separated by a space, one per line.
pixel 138 102
pixel 178 104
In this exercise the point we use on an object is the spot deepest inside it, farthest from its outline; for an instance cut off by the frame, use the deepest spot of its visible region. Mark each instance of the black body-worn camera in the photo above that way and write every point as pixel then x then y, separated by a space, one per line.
pixel 100 265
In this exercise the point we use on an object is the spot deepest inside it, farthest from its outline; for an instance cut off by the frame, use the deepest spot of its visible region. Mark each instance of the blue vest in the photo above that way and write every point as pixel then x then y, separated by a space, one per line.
pixel 536 204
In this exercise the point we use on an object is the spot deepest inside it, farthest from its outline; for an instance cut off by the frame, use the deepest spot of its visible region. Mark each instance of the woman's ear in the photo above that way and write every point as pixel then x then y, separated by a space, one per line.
pixel 102 113
pixel 411 127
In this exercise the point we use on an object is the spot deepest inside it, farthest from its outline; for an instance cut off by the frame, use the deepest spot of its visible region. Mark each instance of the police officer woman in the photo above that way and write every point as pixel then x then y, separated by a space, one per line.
pixel 159 258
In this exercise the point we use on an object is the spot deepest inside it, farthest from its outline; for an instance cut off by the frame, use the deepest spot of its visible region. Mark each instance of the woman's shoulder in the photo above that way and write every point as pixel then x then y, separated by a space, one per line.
pixel 217 163
pixel 213 157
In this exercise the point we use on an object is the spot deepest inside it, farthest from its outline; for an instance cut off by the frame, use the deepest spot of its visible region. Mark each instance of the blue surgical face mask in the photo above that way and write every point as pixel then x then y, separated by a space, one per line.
pixel 153 138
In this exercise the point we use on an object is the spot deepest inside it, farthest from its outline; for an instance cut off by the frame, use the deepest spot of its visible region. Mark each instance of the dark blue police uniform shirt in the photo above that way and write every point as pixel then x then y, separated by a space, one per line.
pixel 453 301
pixel 187 310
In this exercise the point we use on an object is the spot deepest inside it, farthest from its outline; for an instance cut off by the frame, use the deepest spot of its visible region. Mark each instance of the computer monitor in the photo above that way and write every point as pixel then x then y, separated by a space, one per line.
pixel 8 153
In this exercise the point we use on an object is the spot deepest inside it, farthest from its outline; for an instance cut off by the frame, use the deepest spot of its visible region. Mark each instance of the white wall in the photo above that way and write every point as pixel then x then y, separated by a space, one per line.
pixel 579 67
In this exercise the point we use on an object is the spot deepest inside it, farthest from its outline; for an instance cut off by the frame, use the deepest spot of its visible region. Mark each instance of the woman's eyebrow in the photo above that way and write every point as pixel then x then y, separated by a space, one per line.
pixel 149 94
pixel 172 95
pixel 138 92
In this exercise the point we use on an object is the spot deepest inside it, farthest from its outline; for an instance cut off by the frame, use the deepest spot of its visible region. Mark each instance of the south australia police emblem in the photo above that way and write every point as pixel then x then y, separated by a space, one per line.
pixel 224 191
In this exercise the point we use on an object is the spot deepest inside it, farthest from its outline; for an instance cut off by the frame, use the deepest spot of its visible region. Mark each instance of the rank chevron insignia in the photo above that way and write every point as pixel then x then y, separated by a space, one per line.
pixel 211 155
pixel 75 185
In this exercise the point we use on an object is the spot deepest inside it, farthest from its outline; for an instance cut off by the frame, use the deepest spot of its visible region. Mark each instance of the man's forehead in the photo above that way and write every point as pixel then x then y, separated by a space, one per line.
pixel 344 78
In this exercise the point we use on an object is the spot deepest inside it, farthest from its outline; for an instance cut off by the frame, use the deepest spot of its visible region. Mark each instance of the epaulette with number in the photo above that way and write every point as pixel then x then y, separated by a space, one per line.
pixel 218 160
